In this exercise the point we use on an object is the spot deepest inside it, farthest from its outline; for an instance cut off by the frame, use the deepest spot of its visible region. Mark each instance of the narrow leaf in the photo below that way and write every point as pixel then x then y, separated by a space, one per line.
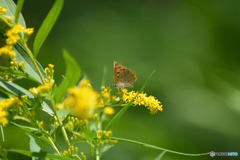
pixel 18 10
pixel 39 155
pixel 38 133
pixel 47 26
pixel 12 89
pixel 71 77
pixel 18 73
pixel 159 157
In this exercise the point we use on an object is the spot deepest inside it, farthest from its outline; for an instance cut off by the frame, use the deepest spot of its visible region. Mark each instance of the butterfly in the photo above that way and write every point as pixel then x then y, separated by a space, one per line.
pixel 122 76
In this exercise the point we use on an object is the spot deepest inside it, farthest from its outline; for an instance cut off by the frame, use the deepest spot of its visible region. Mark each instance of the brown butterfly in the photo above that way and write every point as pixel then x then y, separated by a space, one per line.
pixel 122 76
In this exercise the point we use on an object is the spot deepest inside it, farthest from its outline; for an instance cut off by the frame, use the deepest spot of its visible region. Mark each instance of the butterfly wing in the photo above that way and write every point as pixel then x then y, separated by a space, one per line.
pixel 118 69
pixel 127 78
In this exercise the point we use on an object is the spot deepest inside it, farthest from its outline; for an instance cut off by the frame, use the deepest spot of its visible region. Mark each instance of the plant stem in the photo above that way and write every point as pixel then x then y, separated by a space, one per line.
pixel 51 99
pixel 60 123
pixel 155 147
pixel 97 154
pixel 91 150
pixel 33 60
pixel 2 133
pixel 55 146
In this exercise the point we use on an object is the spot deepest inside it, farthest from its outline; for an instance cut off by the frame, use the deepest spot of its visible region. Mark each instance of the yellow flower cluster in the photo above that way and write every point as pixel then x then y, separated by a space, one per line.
pixel 4 105
pixel 73 152
pixel 82 101
pixel 9 19
pixel 3 10
pixel 13 35
pixel 74 124
pixel 142 99
pixel 42 90
pixel 105 99
pixel 6 51
pixel 104 134
pixel 13 65
pixel 49 72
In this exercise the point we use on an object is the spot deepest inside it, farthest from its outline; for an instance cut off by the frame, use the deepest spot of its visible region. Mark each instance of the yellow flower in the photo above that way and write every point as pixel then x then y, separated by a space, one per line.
pixel 100 103
pixel 4 105
pixel 109 110
pixel 82 101
pixel 12 39
pixel 3 10
pixel 50 73
pixel 18 28
pixel 84 82
pixel 21 65
pixel 6 51
pixel 42 90
pixel 24 96
pixel 105 96
pixel 28 31
pixel 14 64
pixel 142 99
pixel 9 19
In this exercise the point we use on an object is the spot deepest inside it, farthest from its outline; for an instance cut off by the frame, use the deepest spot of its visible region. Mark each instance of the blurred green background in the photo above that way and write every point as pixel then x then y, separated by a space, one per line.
pixel 192 45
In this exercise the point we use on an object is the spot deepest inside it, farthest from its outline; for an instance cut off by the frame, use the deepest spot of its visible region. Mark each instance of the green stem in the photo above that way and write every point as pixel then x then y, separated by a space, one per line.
pixel 33 60
pixel 55 146
pixel 51 99
pixel 158 148
pixel 97 154
pixel 60 123
pixel 2 133
pixel 91 150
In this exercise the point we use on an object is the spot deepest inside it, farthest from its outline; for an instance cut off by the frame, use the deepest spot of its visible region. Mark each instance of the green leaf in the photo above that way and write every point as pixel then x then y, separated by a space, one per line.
pixel 47 26
pixel 39 155
pixel 71 77
pixel 106 148
pixel 38 133
pixel 159 157
pixel 12 90
pixel 89 135
pixel 11 6
pixel 18 73
pixel 18 10
pixel 29 66
pixel 33 144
